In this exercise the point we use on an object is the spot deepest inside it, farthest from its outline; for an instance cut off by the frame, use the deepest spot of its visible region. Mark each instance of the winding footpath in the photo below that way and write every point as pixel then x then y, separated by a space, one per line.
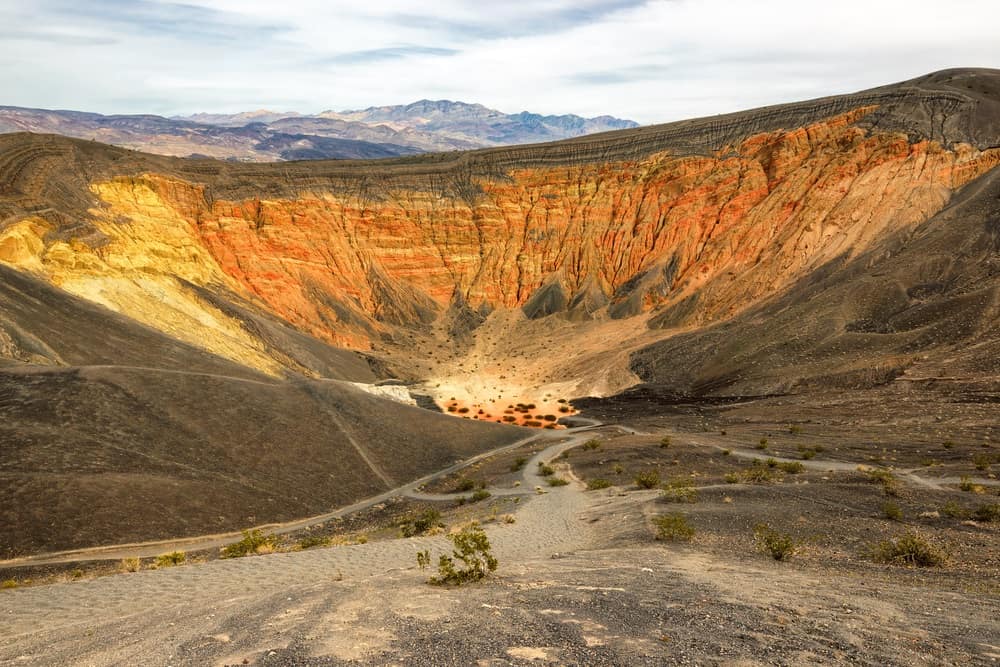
pixel 546 523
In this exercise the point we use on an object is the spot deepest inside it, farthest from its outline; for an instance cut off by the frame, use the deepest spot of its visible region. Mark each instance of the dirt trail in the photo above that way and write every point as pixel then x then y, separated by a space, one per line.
pixel 547 523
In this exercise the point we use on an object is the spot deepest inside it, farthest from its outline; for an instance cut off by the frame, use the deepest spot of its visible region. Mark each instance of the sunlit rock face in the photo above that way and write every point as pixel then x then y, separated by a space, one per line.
pixel 453 270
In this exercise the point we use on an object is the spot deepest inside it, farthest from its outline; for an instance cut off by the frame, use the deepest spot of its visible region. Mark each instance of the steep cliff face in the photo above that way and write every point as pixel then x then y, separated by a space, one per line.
pixel 638 235
pixel 672 227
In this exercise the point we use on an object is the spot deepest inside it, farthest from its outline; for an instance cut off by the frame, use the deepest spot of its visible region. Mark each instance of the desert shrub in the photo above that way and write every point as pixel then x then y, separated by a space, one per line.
pixel 480 494
pixel 592 444
pixel 472 550
pixel 563 409
pixel 967 485
pixel 130 564
pixel 598 483
pixel 533 423
pixel 892 511
pixel 312 541
pixel 508 518
pixel 727 452
pixel 463 485
pixel 423 559
pixel 680 490
pixel 557 481
pixel 545 470
pixel 760 472
pixel 171 559
pixel 795 429
pixel 771 462
pixel 420 523
pixel 254 541
pixel 673 527
pixel 890 485
pixel 549 418
pixel 731 478
pixel 910 548
pixel 518 463
pixel 987 513
pixel 982 461
pixel 948 444
pixel 791 467
pixel 649 479
pixel 618 469
pixel 666 441
pixel 777 545
pixel 808 453
pixel 509 418
pixel 761 444
pixel 953 510
pixel 9 583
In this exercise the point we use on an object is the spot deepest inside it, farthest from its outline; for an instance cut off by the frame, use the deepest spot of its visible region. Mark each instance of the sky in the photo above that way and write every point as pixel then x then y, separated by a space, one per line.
pixel 650 61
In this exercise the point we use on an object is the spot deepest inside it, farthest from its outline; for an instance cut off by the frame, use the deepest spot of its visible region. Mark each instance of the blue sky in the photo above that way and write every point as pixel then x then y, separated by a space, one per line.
pixel 651 61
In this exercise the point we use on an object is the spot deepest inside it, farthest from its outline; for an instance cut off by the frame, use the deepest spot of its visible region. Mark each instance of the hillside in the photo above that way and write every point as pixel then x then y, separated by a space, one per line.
pixel 843 242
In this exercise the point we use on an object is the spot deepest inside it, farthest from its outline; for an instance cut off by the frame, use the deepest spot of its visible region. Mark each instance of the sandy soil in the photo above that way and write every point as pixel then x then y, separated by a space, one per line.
pixel 581 581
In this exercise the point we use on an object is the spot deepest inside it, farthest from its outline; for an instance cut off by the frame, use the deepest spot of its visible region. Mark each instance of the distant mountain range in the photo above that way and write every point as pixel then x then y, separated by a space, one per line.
pixel 263 136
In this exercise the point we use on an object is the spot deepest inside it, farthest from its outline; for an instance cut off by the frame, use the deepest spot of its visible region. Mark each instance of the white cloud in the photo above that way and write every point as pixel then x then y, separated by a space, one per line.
pixel 652 61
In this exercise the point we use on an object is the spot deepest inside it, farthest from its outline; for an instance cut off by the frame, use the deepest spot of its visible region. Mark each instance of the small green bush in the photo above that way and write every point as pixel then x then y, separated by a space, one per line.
pixel 731 478
pixel 171 559
pixel 545 470
pixel 760 472
pixel 464 485
pixel 910 549
pixel 982 461
pixel 480 494
pixel 313 541
pixel 9 583
pixel 808 454
pixel 968 486
pixel 777 545
pixel 761 444
pixel 795 429
pixel 557 481
pixel 598 483
pixel 420 523
pixel 618 469
pixel 423 559
pixel 791 467
pixel 892 511
pixel 727 452
pixel 987 513
pixel 680 490
pixel 518 463
pixel 673 527
pixel 253 541
pixel 130 564
pixel 649 479
pixel 953 510
pixel 592 444
pixel 890 485
pixel 473 550
pixel 666 441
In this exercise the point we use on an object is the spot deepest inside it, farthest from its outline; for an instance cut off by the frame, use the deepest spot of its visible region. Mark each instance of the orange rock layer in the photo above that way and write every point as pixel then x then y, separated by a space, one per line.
pixel 732 227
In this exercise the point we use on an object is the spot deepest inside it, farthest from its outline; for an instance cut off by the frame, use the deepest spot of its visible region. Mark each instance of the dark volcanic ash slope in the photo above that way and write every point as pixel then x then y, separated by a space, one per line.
pixel 922 304
pixel 112 432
